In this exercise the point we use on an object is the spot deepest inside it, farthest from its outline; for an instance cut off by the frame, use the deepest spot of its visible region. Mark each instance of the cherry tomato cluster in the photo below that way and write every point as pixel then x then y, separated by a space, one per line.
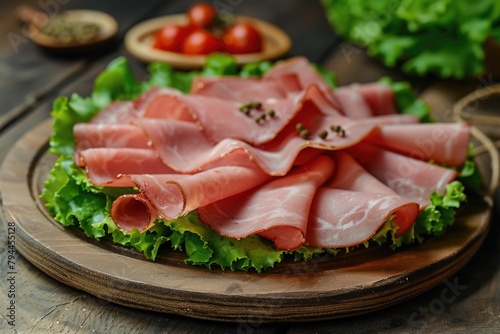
pixel 206 33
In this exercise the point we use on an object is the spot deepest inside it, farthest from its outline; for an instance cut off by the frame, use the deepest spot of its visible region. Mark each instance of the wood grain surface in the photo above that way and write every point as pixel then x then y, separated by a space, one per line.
pixel 322 288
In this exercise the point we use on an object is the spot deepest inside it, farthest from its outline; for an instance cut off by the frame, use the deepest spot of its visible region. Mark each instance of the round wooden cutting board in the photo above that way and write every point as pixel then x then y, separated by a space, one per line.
pixel 322 288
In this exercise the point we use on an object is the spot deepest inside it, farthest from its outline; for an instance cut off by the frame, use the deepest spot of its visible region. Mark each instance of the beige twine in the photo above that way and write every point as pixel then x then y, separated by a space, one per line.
pixel 488 146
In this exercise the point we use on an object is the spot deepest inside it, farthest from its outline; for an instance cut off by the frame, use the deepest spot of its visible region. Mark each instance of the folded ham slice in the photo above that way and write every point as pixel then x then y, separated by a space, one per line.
pixel 353 103
pixel 410 178
pixel 305 75
pixel 173 195
pixel 220 118
pixel 350 209
pixel 105 166
pixel 366 100
pixel 278 210
pixel 344 218
pixel 184 148
pixel 133 211
pixel 90 135
pixel 245 89
pixel 116 113
pixel 443 143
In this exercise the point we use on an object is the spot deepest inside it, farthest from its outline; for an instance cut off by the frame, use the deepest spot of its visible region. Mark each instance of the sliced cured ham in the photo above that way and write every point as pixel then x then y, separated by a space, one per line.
pixel 245 89
pixel 104 166
pixel 134 211
pixel 220 119
pixel 176 195
pixel 358 100
pixel 353 205
pixel 378 96
pixel 410 178
pixel 278 210
pixel 366 100
pixel 392 119
pixel 305 75
pixel 357 164
pixel 344 218
pixel 183 147
pixel 158 102
pixel 90 135
pixel 116 113
pixel 442 143
pixel 353 103
pixel 164 103
pixel 173 195
pixel 350 175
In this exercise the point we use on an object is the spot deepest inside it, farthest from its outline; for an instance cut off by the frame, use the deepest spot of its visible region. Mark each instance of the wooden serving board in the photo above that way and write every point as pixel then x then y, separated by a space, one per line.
pixel 323 288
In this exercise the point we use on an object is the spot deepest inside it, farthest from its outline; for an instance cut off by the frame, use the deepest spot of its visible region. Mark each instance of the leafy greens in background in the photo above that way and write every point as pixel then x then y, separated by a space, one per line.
pixel 73 201
pixel 441 37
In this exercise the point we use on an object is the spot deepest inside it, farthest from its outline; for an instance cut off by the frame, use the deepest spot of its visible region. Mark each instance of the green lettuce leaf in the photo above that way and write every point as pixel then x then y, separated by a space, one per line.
pixel 406 100
pixel 117 82
pixel 327 75
pixel 76 203
pixel 443 37
pixel 255 69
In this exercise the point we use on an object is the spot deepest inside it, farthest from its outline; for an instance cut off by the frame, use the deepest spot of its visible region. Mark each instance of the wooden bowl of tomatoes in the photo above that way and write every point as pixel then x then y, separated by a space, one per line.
pixel 184 40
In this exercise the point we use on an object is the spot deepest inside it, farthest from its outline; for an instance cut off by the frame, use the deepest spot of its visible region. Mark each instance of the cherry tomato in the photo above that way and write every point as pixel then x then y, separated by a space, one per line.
pixel 242 38
pixel 170 37
pixel 200 41
pixel 201 15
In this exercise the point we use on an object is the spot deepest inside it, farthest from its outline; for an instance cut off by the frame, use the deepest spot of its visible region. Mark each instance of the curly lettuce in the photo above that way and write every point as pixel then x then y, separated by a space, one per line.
pixel 442 37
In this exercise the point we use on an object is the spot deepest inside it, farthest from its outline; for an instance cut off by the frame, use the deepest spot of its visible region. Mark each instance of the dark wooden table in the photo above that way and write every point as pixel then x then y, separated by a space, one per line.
pixel 30 79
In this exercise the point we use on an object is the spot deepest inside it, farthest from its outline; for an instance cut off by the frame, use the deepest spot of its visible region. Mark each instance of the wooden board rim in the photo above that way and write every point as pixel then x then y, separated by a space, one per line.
pixel 138 41
pixel 295 292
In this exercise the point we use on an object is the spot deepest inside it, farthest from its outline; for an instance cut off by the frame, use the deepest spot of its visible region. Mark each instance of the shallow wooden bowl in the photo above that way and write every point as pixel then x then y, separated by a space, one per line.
pixel 139 42
pixel 107 24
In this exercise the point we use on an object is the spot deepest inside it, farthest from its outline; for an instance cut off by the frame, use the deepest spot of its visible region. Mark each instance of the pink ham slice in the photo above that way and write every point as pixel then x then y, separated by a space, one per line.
pixel 350 175
pixel 353 103
pixel 366 100
pixel 443 143
pixel 343 218
pixel 116 113
pixel 393 119
pixel 350 209
pixel 89 135
pixel 278 210
pixel 158 102
pixel 245 89
pixel 104 166
pixel 184 148
pixel 305 75
pixel 164 103
pixel 174 195
pixel 134 211
pixel 410 178
pixel 220 119
pixel 379 97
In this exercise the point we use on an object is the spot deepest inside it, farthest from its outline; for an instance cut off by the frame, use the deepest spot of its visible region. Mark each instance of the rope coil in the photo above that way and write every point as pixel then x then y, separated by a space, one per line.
pixel 488 146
